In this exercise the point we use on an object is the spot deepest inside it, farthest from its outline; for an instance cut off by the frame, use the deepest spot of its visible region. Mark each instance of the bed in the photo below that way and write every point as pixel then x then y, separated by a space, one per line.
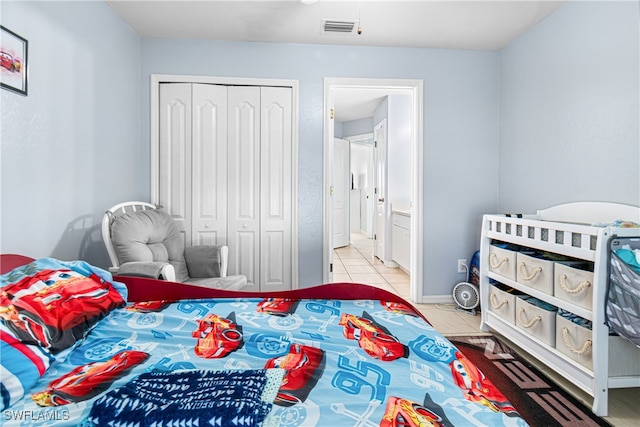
pixel 83 348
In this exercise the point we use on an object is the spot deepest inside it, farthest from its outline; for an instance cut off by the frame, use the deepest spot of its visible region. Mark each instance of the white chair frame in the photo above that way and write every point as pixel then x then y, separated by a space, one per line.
pixel 135 206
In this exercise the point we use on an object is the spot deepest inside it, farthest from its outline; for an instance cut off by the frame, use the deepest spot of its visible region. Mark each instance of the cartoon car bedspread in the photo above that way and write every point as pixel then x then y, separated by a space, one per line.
pixel 345 363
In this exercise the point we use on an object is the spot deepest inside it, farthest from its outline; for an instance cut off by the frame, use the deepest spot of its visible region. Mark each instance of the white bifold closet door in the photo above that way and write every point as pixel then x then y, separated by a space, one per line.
pixel 226 174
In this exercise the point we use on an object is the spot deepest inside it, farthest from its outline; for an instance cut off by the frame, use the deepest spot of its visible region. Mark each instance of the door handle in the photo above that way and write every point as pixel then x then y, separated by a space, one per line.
pixel 381 199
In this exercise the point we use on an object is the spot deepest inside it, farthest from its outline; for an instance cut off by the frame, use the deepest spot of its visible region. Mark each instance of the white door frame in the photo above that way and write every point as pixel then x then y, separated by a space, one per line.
pixel 415 87
pixel 380 205
pixel 154 136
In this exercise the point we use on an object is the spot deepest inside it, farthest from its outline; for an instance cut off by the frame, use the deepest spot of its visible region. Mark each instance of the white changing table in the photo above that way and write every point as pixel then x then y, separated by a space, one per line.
pixel 566 230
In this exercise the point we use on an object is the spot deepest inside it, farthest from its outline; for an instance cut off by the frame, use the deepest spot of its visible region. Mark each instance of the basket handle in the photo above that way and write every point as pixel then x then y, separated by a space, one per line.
pixel 494 262
pixel 495 304
pixel 581 286
pixel 585 347
pixel 523 320
pixel 528 277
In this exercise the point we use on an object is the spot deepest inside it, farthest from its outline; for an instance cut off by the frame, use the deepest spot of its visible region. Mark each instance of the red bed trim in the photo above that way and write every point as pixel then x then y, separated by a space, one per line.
pixel 143 289
pixel 10 261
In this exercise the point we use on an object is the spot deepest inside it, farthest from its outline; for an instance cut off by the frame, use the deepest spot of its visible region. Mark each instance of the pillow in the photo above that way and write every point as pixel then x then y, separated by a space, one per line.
pixel 149 235
pixel 21 365
pixel 203 261
pixel 81 267
pixel 53 304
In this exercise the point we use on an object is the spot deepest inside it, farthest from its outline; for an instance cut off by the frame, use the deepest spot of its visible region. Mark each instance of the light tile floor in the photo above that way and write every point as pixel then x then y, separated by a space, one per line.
pixel 356 263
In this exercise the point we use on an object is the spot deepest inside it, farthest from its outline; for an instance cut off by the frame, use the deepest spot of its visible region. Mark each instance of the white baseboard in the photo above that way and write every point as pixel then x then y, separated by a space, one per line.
pixel 436 299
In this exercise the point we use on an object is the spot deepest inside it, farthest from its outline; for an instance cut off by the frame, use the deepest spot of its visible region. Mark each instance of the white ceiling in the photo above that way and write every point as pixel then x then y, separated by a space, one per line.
pixel 448 24
pixel 451 24
pixel 353 103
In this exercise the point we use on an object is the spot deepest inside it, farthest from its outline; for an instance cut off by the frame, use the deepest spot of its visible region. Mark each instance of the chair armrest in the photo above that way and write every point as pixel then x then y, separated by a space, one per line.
pixel 153 270
pixel 206 261
pixel 224 260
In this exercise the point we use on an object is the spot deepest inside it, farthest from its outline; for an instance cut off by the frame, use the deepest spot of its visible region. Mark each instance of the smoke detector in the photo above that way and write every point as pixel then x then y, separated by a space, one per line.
pixel 334 26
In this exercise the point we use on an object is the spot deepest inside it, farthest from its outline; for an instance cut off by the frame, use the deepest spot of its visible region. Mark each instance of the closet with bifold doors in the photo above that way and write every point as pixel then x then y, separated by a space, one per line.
pixel 225 173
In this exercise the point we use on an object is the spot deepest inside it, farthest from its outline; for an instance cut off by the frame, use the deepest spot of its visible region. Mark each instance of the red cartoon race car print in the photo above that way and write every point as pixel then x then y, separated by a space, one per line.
pixel 398 307
pixel 304 366
pixel 277 306
pixel 476 387
pixel 406 413
pixel 9 62
pixel 217 336
pixel 54 307
pixel 87 381
pixel 373 338
pixel 148 306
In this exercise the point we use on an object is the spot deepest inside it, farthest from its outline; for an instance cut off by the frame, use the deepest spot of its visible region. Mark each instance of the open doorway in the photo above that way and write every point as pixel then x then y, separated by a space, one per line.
pixel 372 90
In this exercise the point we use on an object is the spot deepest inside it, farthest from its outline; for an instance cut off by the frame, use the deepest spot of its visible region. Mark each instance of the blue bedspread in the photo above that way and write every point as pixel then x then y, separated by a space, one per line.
pixel 347 363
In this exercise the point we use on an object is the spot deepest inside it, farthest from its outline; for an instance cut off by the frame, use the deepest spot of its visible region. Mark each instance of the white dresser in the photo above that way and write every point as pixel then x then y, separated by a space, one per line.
pixel 401 238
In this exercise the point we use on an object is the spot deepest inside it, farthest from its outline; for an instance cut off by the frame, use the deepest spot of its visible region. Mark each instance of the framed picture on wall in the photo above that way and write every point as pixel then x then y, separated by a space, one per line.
pixel 13 61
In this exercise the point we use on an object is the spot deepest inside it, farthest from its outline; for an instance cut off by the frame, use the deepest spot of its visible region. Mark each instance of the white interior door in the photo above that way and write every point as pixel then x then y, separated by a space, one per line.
pixel 174 154
pixel 276 190
pixel 368 203
pixel 380 138
pixel 260 186
pixel 244 182
pixel 224 166
pixel 209 165
pixel 327 235
pixel 341 193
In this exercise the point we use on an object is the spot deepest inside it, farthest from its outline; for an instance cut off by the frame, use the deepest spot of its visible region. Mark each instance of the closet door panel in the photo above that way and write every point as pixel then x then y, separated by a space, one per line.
pixel 175 154
pixel 275 190
pixel 226 174
pixel 245 243
pixel 244 182
pixel 274 261
pixel 209 163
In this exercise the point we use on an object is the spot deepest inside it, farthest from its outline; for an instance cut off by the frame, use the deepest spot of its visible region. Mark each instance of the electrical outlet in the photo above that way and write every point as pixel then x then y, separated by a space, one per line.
pixel 462 266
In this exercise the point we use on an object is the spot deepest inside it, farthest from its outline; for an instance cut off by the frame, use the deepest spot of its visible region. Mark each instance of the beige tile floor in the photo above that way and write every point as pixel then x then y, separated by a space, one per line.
pixel 356 263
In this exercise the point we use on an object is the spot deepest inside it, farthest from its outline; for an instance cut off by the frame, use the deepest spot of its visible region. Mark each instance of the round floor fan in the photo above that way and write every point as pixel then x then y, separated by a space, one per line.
pixel 467 297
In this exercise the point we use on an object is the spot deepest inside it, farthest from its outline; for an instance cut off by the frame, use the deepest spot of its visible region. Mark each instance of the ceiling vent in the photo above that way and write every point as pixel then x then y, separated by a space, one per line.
pixel 332 26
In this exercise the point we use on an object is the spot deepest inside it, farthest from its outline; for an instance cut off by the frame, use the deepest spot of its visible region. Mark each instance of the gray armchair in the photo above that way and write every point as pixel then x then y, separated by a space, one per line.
pixel 143 240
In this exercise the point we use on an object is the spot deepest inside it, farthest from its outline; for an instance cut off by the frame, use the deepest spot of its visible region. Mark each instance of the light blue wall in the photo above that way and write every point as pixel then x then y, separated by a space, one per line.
pixel 80 142
pixel 555 113
pixel 72 147
pixel 570 95
pixel 338 131
pixel 358 127
pixel 399 154
pixel 460 129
